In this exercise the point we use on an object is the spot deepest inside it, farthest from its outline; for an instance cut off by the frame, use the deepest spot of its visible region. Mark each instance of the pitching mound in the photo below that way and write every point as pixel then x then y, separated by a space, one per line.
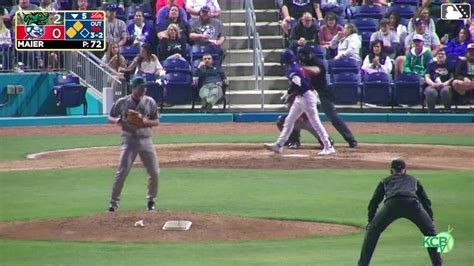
pixel 119 227
pixel 254 156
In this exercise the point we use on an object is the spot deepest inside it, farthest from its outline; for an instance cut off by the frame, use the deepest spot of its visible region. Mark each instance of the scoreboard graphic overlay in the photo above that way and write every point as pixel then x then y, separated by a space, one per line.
pixel 60 30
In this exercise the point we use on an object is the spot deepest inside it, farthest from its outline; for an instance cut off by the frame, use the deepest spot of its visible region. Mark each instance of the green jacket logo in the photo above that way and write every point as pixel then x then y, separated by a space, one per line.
pixel 444 241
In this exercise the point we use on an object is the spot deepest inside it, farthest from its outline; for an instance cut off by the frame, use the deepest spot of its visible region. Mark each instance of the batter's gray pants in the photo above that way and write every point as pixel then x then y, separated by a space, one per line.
pixel 132 147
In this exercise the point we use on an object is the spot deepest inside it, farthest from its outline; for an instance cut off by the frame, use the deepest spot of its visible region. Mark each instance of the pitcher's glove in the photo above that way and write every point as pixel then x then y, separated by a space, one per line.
pixel 135 118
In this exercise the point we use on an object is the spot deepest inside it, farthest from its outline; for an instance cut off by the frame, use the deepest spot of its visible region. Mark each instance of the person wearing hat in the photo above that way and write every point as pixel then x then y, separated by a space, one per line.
pixel 418 58
pixel 423 13
pixel 193 7
pixel 405 197
pixel 136 114
pixel 207 31
pixel 389 38
pixel 464 74
pixel 116 28
pixel 430 42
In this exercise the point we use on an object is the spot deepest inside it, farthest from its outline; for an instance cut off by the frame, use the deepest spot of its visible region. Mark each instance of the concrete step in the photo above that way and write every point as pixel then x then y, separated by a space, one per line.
pixel 241 83
pixel 239 4
pixel 241 42
pixel 246 69
pixel 239 15
pixel 231 4
pixel 246 56
pixel 254 97
pixel 263 4
pixel 263 28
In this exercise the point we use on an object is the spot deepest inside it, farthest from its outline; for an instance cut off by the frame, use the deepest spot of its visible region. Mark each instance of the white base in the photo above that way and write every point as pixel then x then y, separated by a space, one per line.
pixel 177 225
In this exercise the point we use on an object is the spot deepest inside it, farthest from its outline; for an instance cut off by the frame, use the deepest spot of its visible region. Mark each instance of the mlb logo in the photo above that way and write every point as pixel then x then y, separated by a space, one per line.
pixel 455 11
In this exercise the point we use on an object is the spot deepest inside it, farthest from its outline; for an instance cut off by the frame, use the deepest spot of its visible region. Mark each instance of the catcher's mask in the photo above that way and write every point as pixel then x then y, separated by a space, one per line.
pixel 287 57
pixel 305 53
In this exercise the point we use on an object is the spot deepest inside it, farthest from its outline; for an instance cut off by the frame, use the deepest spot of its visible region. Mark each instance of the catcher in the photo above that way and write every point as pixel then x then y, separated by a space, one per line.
pixel 136 114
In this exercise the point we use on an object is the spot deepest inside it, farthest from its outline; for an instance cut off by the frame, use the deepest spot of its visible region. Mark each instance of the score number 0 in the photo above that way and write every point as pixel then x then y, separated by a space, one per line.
pixel 57 21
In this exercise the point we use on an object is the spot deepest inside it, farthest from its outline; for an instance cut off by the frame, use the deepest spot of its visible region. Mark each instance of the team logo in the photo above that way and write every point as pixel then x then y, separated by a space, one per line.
pixel 34 24
pixel 455 11
pixel 300 2
pixel 208 30
pixel 34 31
pixel 443 242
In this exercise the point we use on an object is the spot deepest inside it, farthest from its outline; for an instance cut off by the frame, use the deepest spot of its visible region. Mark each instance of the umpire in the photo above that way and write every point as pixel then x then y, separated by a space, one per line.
pixel 404 198
pixel 319 83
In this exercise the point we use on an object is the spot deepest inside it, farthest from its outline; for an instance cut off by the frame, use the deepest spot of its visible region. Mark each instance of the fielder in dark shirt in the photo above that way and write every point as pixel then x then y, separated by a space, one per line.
pixel 403 195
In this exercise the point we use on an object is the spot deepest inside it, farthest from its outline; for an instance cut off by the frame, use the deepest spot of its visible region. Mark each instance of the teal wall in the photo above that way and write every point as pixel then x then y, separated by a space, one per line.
pixel 37 98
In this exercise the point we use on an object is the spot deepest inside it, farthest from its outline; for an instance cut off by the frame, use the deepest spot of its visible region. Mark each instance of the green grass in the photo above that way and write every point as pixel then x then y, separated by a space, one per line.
pixel 16 148
pixel 302 194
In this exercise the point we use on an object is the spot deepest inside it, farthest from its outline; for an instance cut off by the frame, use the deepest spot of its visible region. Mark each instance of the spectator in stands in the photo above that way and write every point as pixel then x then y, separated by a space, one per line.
pixel 48 5
pixel 173 45
pixel 329 30
pixel 294 9
pixel 5 46
pixel 397 27
pixel 211 79
pixel 146 62
pixel 377 60
pixel 113 58
pixel 207 30
pixel 464 74
pixel 164 12
pixel 304 32
pixel 163 3
pixel 194 6
pixel 430 41
pixel 423 13
pixel 84 5
pixel 389 38
pixel 23 5
pixel 447 29
pixel 457 47
pixel 116 28
pixel 173 17
pixel 140 32
pixel 347 42
pixel 438 79
pixel 417 58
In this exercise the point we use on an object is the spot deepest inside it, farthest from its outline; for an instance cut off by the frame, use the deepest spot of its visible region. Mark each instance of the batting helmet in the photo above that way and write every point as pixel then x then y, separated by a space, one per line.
pixel 287 57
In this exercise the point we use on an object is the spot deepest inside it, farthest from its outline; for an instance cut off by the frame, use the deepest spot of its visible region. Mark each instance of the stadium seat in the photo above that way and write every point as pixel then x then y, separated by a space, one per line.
pixel 35 2
pixel 405 11
pixel 345 87
pixel 406 2
pixel 176 65
pixel 365 36
pixel 344 65
pixel 376 89
pixel 129 52
pixel 178 88
pixel 370 11
pixel 407 89
pixel 6 3
pixel 366 24
pixel 69 92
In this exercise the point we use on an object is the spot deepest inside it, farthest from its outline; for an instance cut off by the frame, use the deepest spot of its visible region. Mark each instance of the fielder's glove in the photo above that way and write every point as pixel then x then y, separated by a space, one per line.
pixel 135 118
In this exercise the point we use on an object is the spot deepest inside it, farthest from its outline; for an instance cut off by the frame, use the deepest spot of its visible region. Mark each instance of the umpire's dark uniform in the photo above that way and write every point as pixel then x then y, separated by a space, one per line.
pixel 403 195
pixel 319 83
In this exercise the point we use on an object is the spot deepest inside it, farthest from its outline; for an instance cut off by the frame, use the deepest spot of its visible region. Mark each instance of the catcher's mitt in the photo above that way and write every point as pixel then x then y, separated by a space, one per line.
pixel 135 118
